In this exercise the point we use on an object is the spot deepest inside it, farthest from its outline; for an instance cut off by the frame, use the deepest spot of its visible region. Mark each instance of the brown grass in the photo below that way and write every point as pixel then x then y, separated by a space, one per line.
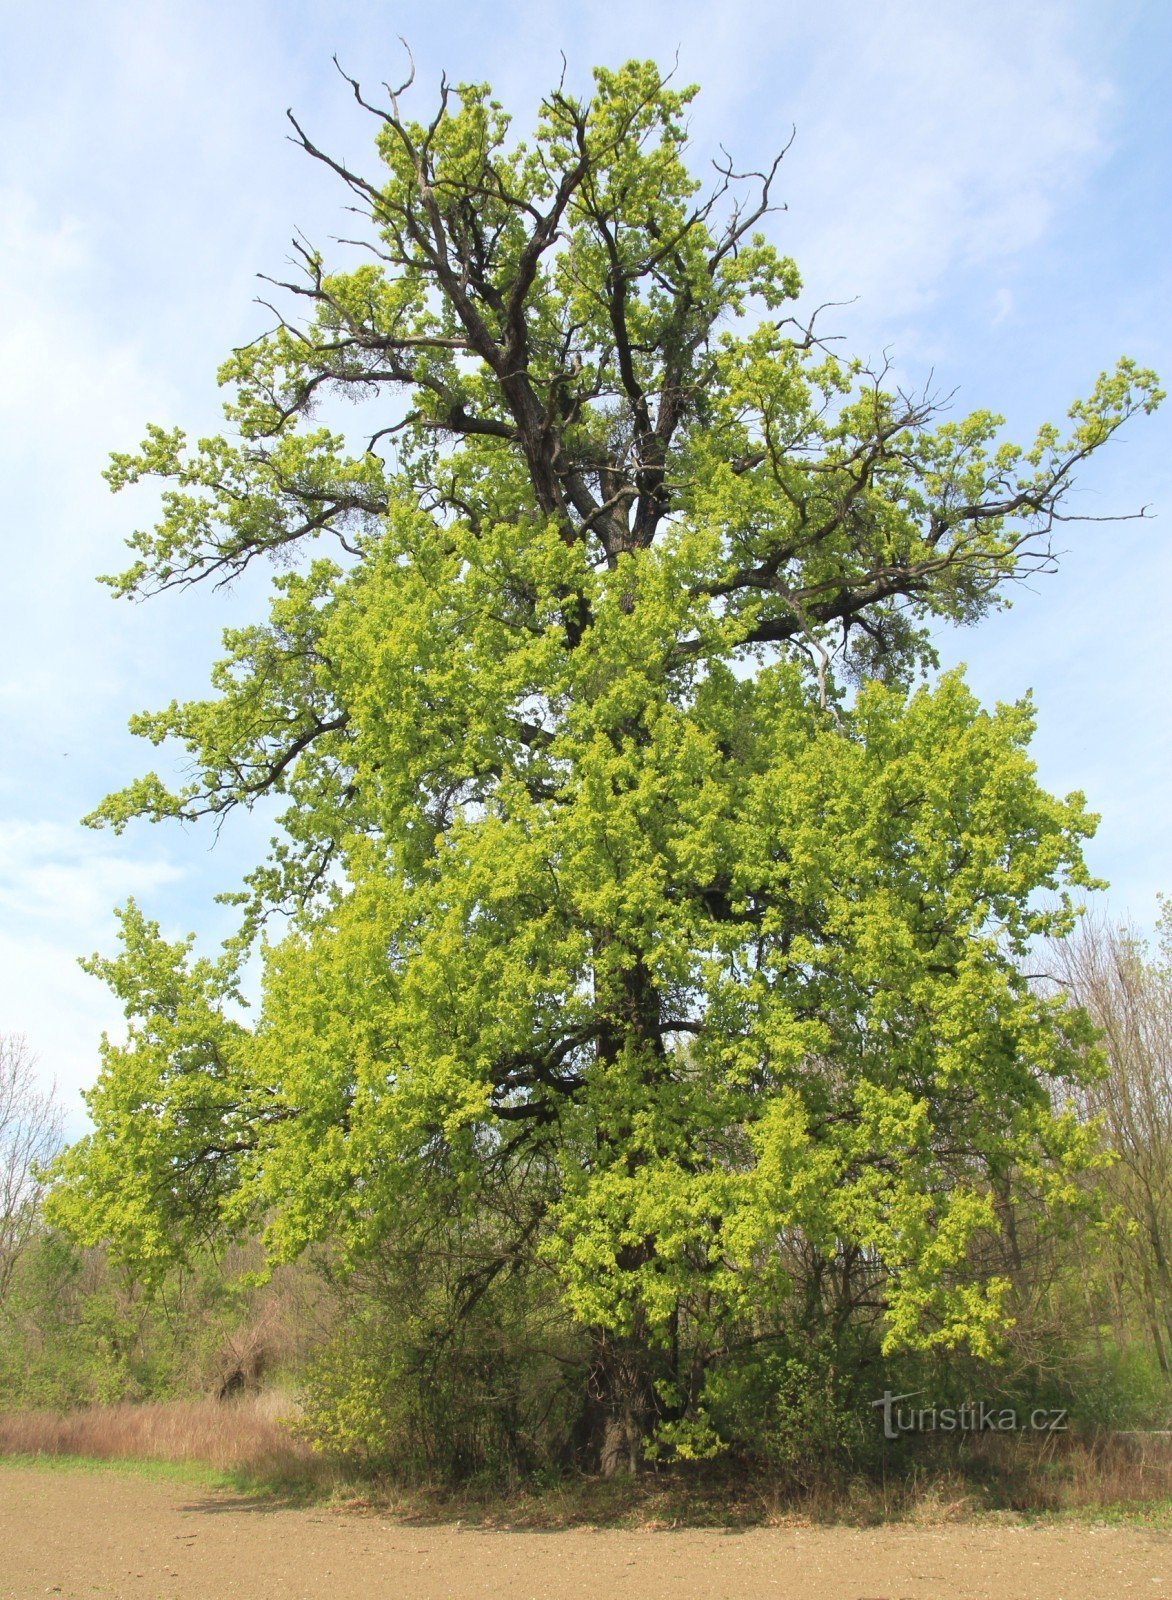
pixel 247 1437
pixel 250 1439
pixel 1115 1478
pixel 1114 1471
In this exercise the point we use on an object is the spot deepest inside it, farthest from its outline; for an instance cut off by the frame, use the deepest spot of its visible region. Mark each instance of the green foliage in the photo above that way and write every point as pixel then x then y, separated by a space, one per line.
pixel 795 1407
pixel 1111 1388
pixel 172 1104
pixel 77 1333
pixel 648 926
pixel 866 1020
pixel 79 1329
pixel 412 1387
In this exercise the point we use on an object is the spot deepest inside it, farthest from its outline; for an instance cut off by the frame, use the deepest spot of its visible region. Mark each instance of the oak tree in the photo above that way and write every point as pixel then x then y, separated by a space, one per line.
pixel 656 910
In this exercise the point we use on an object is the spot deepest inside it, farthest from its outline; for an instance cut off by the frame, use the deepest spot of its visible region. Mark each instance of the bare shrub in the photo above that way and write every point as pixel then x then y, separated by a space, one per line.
pixel 30 1132
pixel 1126 988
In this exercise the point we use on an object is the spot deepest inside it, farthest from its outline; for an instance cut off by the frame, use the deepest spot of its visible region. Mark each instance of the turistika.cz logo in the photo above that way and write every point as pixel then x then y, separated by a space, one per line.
pixel 974 1416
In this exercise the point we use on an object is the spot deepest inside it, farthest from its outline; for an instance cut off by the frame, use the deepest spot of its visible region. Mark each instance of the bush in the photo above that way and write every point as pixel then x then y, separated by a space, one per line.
pixel 76 1330
pixel 409 1389
pixel 793 1405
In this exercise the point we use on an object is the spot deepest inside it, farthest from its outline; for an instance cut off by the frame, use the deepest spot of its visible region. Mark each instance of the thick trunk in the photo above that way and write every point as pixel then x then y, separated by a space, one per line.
pixel 622 1447
pixel 621 1403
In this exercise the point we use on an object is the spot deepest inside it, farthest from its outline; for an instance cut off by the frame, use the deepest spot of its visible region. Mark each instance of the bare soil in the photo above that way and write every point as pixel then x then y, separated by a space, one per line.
pixel 107 1533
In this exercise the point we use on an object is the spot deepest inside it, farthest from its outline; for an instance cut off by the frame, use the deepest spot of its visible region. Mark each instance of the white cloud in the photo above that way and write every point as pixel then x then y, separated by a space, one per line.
pixel 1002 307
pixel 54 876
pixel 57 889
pixel 928 136
pixel 943 138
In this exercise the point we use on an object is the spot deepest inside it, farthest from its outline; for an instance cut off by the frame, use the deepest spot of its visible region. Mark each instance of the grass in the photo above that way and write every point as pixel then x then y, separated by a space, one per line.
pixel 247 1445
pixel 1088 1486
pixel 187 1472
pixel 243 1441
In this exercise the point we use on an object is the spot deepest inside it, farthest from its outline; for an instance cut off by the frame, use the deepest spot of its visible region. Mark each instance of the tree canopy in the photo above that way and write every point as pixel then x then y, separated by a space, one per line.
pixel 657 914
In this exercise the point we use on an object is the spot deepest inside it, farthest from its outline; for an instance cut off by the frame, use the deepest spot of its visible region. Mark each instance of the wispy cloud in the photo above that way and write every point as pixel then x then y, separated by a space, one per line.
pixel 943 138
pixel 58 886
pixel 929 137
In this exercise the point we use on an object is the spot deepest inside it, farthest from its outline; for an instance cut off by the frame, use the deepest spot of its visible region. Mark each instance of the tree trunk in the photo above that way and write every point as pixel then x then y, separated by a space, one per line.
pixel 621 1397
pixel 620 1391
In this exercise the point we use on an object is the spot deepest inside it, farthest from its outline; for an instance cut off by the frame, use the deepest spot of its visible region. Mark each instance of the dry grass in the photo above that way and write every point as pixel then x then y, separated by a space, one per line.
pixel 1117 1478
pixel 1119 1471
pixel 246 1438
pixel 249 1439
pixel 1113 1475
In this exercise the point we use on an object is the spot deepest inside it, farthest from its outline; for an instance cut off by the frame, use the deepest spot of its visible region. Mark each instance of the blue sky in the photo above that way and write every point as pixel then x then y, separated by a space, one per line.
pixel 987 185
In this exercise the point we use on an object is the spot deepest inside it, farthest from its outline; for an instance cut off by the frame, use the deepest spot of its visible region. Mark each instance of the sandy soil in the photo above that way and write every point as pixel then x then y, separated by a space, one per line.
pixel 112 1534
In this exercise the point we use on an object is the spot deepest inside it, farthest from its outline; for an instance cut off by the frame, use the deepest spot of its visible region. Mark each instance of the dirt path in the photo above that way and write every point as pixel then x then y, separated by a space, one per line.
pixel 111 1534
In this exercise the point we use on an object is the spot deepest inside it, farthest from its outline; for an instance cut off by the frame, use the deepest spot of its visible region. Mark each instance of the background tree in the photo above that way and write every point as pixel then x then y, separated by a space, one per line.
pixel 30 1135
pixel 1126 990
pixel 631 945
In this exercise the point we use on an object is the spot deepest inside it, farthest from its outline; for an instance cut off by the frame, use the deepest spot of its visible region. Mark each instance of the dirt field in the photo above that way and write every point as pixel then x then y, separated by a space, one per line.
pixel 107 1533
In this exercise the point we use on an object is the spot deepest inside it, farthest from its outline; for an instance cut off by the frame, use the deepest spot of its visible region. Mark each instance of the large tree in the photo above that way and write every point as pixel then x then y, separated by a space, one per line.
pixel 646 925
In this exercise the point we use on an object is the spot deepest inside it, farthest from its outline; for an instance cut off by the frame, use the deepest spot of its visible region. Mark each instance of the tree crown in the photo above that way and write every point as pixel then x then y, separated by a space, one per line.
pixel 623 926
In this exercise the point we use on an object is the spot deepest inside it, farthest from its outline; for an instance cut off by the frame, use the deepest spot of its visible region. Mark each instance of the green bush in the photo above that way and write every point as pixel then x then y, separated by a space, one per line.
pixel 410 1389
pixel 793 1405
pixel 78 1330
